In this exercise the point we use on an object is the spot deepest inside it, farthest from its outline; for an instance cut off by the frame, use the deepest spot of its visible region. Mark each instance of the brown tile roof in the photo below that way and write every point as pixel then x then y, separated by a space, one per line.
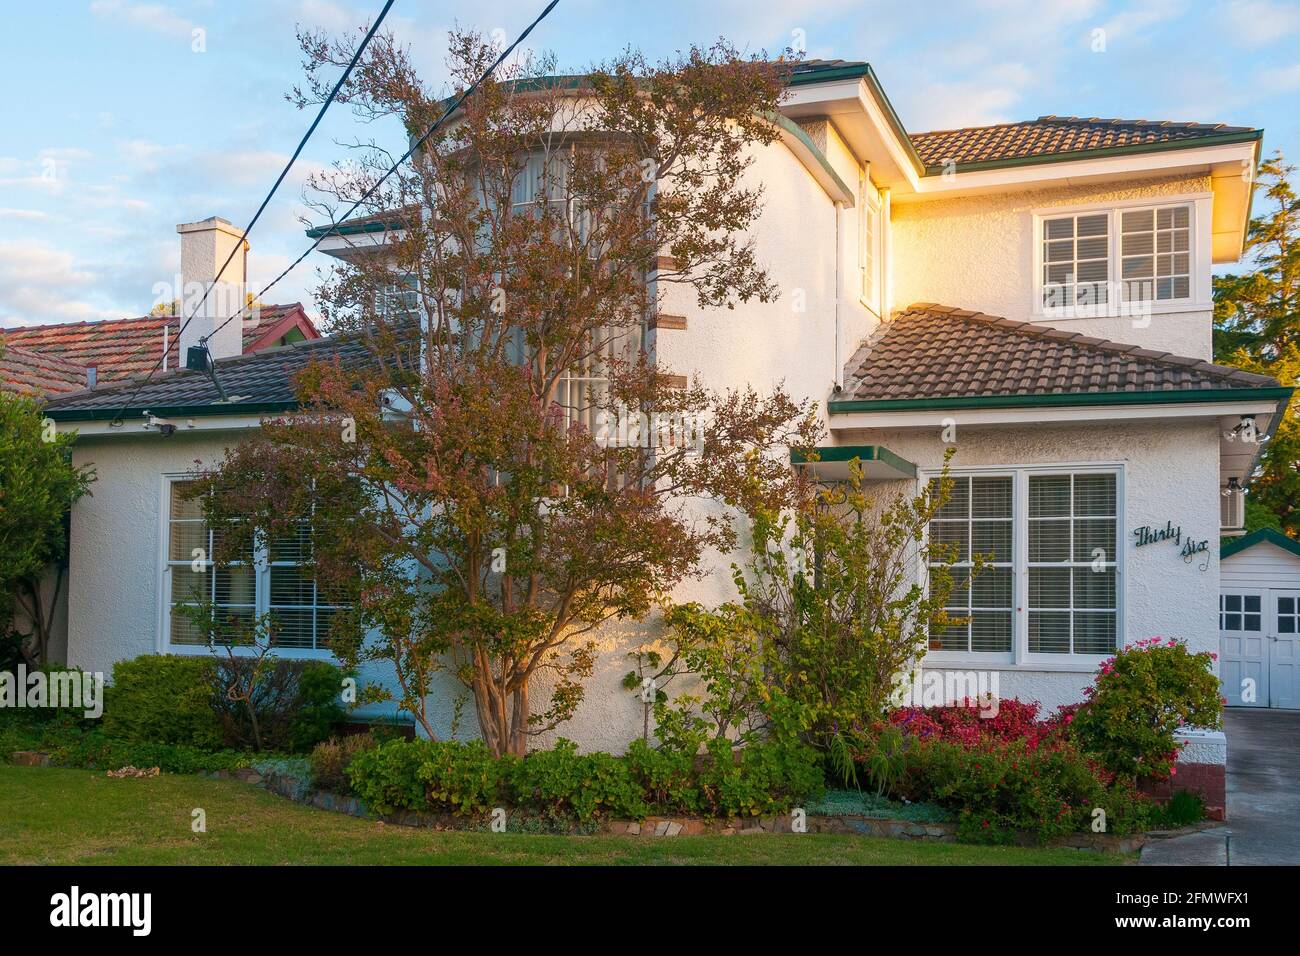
pixel 121 348
pixel 35 375
pixel 936 351
pixel 1053 135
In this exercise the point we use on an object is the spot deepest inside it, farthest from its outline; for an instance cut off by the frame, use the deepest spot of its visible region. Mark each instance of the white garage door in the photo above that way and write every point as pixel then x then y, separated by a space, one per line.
pixel 1259 638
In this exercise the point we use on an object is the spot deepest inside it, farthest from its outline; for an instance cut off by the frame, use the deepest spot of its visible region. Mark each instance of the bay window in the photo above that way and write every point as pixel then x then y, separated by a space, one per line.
pixel 1050 586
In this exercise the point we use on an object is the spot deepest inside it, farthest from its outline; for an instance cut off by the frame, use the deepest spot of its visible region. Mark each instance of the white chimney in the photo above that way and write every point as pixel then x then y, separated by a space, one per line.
pixel 204 248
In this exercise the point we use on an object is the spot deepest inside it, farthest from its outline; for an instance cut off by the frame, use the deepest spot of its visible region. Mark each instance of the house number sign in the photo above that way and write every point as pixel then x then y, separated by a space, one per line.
pixel 1190 548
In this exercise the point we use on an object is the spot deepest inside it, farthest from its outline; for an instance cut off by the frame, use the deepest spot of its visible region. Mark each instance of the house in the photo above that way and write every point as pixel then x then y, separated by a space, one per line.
pixel 1035 295
pixel 1259 620
pixel 47 360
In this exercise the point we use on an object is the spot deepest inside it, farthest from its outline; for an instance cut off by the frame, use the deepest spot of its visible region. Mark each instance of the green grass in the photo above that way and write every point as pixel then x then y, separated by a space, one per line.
pixel 58 816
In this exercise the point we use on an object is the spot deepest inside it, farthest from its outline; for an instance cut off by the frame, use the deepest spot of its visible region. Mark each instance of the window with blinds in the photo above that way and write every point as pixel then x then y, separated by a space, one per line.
pixel 978 520
pixel 1076 260
pixel 1155 254
pixel 1071 560
pixel 274 578
pixel 230 589
pixel 1145 253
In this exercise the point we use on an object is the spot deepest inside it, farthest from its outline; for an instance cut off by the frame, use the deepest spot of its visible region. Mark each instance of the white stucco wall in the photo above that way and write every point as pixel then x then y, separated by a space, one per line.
pixel 113 599
pixel 977 253
pixel 1170 473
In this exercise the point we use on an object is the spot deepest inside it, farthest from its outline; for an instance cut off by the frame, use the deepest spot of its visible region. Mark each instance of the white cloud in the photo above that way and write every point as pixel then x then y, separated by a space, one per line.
pixel 39 283
pixel 1284 79
pixel 1254 23
pixel 146 16
pixel 1134 23
pixel 31 215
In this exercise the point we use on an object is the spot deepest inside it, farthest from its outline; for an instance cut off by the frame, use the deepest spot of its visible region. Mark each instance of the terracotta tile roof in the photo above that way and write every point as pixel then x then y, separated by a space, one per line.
pixel 35 375
pixel 1052 135
pixel 936 351
pixel 121 348
pixel 251 382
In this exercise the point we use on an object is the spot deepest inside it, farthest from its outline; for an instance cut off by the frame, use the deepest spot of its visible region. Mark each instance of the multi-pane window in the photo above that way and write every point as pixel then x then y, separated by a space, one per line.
pixel 1072 564
pixel 1049 543
pixel 273 577
pixel 1288 615
pixel 868 244
pixel 1125 255
pixel 1155 254
pixel 977 519
pixel 230 589
pixel 1240 612
pixel 1076 260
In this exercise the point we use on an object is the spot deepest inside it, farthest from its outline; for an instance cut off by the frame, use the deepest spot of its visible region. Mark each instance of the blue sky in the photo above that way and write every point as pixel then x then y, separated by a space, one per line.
pixel 114 128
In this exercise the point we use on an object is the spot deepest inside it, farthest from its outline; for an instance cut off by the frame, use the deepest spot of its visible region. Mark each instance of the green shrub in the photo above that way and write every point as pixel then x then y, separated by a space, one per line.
pixel 331 758
pixel 1183 809
pixel 387 777
pixel 563 783
pixel 163 699
pixel 1140 699
pixel 463 778
pixel 176 699
pixel 1001 790
pixel 761 778
pixel 666 777
pixel 296 702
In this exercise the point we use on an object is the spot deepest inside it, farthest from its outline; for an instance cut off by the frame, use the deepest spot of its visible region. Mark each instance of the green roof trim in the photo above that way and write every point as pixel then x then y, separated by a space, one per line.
pixel 846 453
pixel 1214 139
pixel 354 228
pixel 1063 399
pixel 169 411
pixel 799 133
pixel 1268 535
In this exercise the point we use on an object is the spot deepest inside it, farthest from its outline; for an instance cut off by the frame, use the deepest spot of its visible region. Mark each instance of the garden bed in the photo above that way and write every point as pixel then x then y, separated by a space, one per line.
pixel 295 788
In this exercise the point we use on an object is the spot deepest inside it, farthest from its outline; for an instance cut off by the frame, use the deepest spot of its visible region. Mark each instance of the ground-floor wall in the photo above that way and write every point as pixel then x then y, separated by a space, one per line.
pixel 1169 477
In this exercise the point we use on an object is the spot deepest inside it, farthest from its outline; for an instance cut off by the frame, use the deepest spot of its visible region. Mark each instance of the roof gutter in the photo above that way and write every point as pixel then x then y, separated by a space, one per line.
pixel 1279 394
pixel 170 411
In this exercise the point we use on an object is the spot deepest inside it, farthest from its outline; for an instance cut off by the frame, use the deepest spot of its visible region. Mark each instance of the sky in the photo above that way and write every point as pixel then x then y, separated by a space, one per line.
pixel 121 118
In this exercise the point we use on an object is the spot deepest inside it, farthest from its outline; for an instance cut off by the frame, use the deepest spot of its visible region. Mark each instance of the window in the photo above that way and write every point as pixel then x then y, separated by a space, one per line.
pixel 1155 256
pixel 275 578
pixel 868 244
pixel 1050 588
pixel 1072 564
pixel 1106 258
pixel 977 519
pixel 1241 612
pixel 1076 260
pixel 1288 615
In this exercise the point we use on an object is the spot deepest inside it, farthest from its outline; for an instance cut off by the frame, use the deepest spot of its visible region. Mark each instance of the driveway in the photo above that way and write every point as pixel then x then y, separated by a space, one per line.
pixel 1263 786
pixel 1263 780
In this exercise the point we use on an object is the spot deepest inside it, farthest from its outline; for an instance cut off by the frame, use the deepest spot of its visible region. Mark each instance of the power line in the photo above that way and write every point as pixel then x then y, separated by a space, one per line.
pixel 262 208
pixel 392 169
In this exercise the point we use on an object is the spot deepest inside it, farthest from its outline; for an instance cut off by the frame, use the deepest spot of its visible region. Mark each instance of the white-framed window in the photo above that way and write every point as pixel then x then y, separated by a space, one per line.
pixel 275 578
pixel 1112 260
pixel 1242 612
pixel 978 519
pixel 1050 592
pixel 869 246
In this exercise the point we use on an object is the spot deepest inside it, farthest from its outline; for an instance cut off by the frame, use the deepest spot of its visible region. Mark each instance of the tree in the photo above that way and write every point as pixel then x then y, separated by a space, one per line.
pixel 831 616
pixel 1257 328
pixel 507 468
pixel 38 485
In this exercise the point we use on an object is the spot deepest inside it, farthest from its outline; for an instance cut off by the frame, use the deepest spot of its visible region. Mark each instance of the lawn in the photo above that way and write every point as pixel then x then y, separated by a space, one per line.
pixel 55 816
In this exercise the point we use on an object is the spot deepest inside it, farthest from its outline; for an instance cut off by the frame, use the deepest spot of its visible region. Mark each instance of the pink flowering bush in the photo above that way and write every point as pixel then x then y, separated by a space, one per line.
pixel 965 723
pixel 1141 697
